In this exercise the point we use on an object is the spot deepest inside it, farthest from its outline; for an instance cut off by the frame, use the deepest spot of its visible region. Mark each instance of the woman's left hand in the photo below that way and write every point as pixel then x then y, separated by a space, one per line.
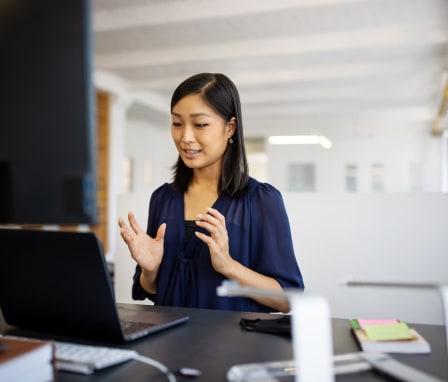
pixel 222 262
pixel 218 241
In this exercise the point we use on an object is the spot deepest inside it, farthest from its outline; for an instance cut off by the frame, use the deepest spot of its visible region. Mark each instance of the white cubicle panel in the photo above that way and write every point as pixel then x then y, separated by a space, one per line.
pixel 381 237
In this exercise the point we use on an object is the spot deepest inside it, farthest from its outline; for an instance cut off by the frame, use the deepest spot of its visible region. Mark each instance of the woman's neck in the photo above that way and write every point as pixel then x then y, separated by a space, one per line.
pixel 199 196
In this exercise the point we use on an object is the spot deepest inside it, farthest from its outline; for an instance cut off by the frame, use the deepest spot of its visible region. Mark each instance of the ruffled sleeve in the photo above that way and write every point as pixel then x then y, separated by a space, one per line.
pixel 272 246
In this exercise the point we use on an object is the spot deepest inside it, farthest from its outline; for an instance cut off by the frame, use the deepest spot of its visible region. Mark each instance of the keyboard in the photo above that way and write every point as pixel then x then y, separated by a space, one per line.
pixel 85 359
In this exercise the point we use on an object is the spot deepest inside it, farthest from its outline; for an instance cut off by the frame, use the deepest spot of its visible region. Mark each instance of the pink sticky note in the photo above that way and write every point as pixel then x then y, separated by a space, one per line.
pixel 369 322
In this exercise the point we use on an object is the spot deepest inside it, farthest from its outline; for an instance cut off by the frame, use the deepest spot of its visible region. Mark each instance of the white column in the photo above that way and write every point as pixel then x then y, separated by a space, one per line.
pixel 117 142
pixel 445 161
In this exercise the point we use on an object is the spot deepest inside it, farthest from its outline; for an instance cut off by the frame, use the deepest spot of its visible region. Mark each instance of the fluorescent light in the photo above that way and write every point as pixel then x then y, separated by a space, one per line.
pixel 300 140
pixel 324 141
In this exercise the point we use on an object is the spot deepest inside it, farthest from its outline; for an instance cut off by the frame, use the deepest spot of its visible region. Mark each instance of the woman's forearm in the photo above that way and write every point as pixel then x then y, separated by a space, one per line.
pixel 248 277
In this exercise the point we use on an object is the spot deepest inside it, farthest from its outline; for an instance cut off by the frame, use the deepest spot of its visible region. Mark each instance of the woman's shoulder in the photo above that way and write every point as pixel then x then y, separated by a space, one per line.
pixel 256 187
pixel 164 191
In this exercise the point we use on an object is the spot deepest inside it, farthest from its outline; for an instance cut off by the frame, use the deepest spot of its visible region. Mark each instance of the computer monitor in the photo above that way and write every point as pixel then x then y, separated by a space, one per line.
pixel 47 113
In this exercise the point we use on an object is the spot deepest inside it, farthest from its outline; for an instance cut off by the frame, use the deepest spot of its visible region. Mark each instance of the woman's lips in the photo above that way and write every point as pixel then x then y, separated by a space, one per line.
pixel 191 154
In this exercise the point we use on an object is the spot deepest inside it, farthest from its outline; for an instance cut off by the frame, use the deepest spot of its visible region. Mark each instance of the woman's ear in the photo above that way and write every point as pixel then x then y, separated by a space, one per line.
pixel 231 126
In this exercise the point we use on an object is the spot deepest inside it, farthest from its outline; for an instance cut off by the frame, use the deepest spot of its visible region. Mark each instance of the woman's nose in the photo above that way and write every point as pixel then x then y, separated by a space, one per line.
pixel 188 134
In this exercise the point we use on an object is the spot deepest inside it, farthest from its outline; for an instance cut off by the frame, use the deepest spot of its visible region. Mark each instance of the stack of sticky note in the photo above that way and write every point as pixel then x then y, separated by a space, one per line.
pixel 388 336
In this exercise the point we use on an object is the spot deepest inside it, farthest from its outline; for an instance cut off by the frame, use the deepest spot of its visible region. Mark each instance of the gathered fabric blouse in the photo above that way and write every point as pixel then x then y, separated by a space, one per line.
pixel 259 238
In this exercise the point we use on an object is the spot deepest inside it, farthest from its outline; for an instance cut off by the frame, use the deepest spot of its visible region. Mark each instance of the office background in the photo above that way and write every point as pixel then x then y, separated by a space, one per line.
pixel 369 76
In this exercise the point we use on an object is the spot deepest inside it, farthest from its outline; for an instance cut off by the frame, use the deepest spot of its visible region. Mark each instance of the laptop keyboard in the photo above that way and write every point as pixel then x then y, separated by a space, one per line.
pixel 86 359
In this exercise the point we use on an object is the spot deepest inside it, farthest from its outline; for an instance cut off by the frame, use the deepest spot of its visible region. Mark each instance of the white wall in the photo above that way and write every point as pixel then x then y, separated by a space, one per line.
pixel 412 162
pixel 152 152
pixel 146 143
pixel 149 146
pixel 377 237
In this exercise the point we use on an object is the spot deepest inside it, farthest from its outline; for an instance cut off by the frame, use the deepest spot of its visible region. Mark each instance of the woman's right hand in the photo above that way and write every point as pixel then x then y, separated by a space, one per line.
pixel 146 251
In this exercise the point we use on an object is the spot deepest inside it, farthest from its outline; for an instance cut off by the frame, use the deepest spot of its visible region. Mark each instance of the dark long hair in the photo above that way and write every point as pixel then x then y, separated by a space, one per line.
pixel 220 93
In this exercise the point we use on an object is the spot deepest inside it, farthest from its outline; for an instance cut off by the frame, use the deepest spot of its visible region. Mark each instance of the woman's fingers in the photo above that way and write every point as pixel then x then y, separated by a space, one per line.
pixel 133 223
pixel 161 232
pixel 211 221
pixel 125 231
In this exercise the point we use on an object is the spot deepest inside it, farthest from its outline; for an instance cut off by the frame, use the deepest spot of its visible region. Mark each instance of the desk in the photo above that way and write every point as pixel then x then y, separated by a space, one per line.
pixel 212 342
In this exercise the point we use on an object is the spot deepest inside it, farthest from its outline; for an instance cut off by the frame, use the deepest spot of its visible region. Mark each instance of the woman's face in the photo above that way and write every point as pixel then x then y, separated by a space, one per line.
pixel 200 134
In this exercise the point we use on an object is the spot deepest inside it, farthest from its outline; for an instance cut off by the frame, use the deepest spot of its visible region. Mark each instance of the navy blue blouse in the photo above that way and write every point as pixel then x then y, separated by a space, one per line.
pixel 259 238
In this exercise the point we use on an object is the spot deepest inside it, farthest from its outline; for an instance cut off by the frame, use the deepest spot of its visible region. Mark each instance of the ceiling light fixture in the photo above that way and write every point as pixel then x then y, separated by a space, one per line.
pixel 300 140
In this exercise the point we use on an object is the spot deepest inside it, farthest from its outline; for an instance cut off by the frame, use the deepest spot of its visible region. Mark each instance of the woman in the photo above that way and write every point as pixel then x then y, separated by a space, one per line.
pixel 213 222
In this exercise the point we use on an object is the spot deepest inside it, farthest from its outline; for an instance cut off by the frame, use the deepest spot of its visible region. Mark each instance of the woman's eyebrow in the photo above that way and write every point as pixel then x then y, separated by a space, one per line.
pixel 192 114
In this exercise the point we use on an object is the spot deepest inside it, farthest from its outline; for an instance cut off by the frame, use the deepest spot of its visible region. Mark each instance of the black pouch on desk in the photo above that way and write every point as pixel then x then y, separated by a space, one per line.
pixel 281 326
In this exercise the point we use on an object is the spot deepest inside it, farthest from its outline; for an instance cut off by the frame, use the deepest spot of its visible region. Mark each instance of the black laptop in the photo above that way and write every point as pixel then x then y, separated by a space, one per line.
pixel 58 282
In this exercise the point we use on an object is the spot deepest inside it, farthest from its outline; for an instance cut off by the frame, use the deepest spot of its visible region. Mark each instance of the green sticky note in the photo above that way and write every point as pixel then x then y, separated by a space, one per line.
pixel 391 332
pixel 355 324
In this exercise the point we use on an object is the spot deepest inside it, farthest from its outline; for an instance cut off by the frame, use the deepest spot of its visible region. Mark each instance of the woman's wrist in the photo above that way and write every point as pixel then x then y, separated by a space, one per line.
pixel 148 280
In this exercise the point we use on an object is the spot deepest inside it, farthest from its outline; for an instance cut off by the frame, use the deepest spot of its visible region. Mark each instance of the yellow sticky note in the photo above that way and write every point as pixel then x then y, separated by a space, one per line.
pixel 390 332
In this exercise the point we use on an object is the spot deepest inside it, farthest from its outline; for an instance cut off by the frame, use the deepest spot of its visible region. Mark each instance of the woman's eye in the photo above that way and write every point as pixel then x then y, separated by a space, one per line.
pixel 201 125
pixel 176 124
